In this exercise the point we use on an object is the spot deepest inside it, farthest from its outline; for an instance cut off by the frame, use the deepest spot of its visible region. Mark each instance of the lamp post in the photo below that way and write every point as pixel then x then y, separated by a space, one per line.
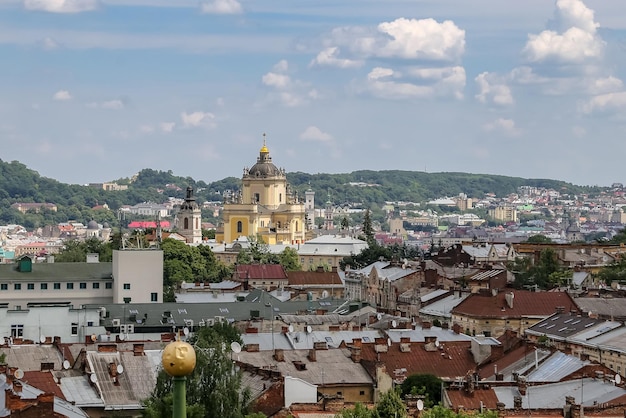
pixel 179 360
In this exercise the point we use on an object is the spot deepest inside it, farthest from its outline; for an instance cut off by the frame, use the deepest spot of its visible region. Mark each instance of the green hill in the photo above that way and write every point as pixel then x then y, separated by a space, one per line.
pixel 21 184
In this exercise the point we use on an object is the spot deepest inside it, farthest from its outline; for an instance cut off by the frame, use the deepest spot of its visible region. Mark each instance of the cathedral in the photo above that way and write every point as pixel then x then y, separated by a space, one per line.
pixel 265 208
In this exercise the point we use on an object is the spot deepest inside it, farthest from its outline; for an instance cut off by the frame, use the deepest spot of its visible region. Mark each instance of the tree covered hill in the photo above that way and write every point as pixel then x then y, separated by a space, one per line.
pixel 18 183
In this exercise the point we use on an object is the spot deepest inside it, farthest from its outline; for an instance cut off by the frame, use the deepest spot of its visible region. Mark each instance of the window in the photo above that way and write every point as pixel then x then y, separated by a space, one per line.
pixel 126 286
pixel 74 328
pixel 44 286
pixel 301 260
pixel 95 285
pixel 57 286
pixel 154 297
pixel 257 197
pixel 362 392
pixel 30 286
pixel 17 331
pixel 4 286
pixel 90 323
pixel 83 285
pixel 69 286
pixel 186 223
pixel 108 285
pixel 239 226
pixel 17 286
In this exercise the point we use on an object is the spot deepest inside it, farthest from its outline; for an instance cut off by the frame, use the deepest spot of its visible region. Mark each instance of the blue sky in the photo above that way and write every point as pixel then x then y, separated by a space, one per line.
pixel 94 90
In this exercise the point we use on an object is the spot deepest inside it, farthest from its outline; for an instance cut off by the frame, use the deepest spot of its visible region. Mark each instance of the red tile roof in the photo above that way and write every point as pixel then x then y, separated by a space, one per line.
pixel 43 381
pixel 309 278
pixel 486 398
pixel 148 224
pixel 260 271
pixel 525 303
pixel 449 361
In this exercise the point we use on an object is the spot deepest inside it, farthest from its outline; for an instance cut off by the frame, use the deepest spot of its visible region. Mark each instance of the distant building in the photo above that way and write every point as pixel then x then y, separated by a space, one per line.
pixel 34 207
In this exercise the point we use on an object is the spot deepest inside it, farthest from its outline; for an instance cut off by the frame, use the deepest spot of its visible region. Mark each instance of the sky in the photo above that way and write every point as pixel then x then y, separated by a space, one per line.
pixel 96 90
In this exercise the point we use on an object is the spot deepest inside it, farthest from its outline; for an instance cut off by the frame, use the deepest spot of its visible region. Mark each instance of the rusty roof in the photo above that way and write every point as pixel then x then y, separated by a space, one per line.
pixel 448 361
pixel 314 278
pixel 260 271
pixel 472 401
pixel 43 381
pixel 524 303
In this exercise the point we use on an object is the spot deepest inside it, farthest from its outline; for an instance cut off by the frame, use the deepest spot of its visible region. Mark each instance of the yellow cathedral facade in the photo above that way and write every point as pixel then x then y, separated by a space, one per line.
pixel 264 208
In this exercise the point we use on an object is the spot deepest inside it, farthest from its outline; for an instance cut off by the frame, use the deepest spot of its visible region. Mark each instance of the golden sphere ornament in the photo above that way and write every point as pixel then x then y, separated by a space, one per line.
pixel 178 359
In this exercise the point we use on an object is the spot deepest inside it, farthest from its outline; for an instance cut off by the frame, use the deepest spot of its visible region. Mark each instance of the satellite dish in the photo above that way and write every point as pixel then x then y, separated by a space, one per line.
pixel 436 343
pixel 66 364
pixel 42 339
pixel 19 373
pixel 235 347
pixel 420 404
pixel 394 323
pixel 389 342
pixel 379 316
pixel 290 329
pixel 122 337
pixel 618 379
pixel 93 378
pixel 94 337
pixel 309 329
pixel 120 369
pixel 186 331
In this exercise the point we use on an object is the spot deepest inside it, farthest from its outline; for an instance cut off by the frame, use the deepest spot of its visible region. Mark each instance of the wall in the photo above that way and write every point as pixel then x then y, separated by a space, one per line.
pixel 141 271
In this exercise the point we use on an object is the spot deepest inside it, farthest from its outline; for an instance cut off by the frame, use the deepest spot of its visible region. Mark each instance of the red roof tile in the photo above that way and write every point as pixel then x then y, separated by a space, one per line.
pixel 43 381
pixel 308 278
pixel 486 398
pixel 148 224
pixel 260 271
pixel 525 303
pixel 449 361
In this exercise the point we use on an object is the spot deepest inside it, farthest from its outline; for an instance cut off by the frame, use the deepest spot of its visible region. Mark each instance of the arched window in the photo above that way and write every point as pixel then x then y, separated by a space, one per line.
pixel 280 197
pixel 186 223
pixel 296 226
pixel 197 221
pixel 239 226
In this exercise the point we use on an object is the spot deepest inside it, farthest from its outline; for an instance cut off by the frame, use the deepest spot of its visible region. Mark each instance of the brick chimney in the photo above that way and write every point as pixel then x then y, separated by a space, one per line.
pixel 279 354
pixel 312 355
pixel 355 354
pixel 17 386
pixel 426 324
pixel 522 385
pixel 252 348
pixel 138 350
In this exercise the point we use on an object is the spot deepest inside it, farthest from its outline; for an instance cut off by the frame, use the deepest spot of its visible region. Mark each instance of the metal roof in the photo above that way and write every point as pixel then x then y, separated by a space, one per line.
pixel 558 366
pixel 420 334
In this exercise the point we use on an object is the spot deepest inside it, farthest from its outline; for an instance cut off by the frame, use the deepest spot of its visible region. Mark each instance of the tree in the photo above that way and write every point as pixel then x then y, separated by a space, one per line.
pixel 214 387
pixel 368 229
pixel 615 271
pixel 289 259
pixel 390 405
pixel 358 411
pixel 539 239
pixel 427 385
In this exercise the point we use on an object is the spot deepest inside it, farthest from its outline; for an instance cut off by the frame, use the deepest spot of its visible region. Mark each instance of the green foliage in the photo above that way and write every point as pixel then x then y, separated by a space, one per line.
pixel 358 411
pixel 539 239
pixel 442 412
pixel 619 238
pixel 369 255
pixel 390 405
pixel 213 388
pixel 75 251
pixel 290 259
pixel 545 274
pixel 368 229
pixel 616 271
pixel 427 385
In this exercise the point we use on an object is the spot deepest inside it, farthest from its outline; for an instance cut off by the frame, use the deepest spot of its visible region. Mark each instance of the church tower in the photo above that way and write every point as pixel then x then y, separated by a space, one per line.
pixel 265 208
pixel 309 203
pixel 189 219
pixel 328 215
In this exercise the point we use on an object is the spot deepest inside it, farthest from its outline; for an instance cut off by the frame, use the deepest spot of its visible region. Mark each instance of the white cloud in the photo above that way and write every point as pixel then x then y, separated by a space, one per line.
pixel 167 127
pixel 61 6
pixel 197 119
pixel 576 43
pixel 502 125
pixel 492 89
pixel 422 39
pixel 605 103
pixel 313 133
pixel 146 129
pixel 604 85
pixel 49 44
pixel 222 7
pixel 280 81
pixel 62 95
pixel 416 82
pixel 329 57
pixel 112 104
pixel 281 66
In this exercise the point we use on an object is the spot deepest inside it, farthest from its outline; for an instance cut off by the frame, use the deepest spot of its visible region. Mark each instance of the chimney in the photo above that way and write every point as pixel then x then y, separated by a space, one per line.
pixel 430 343
pixel 357 342
pixel 560 309
pixel 312 355
pixel 333 328
pixel 522 385
pixel 279 354
pixel 456 328
pixel 517 402
pixel 138 350
pixel 320 345
pixel 252 348
pixel 426 325
pixel 405 344
pixel 509 299
pixel 355 353
pixel 17 386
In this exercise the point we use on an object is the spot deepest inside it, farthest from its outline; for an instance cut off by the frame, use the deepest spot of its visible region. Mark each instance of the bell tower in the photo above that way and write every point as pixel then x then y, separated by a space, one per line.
pixel 189 219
